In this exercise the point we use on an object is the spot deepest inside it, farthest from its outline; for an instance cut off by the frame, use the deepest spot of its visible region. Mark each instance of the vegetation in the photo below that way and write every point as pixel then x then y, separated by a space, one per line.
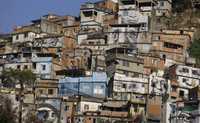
pixel 7 113
pixel 194 50
pixel 32 118
pixel 181 5
pixel 11 78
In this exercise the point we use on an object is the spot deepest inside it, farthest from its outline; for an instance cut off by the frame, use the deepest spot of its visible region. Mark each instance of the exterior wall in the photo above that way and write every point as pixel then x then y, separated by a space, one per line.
pixel 43 66
pixel 123 35
pixel 154 108
pixel 158 85
pixel 187 71
pixel 64 20
pixel 50 28
pixel 47 88
pixel 127 64
pixel 144 42
pixel 19 65
pixel 130 88
pixel 154 63
pixel 67 112
pixel 72 31
pixel 133 17
pixel 76 58
pixel 131 67
pixel 108 4
pixel 93 86
pixel 123 6
pixel 49 42
pixel 81 38
pixel 171 46
pixel 182 79
pixel 88 106
pixel 20 37
pixel 164 8
pixel 187 79
pixel 95 15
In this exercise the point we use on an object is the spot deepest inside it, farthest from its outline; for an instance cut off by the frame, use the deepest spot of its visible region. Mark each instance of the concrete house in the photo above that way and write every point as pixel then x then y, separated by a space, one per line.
pixel 164 8
pixel 94 85
pixel 123 60
pixel 21 37
pixel 182 79
pixel 171 45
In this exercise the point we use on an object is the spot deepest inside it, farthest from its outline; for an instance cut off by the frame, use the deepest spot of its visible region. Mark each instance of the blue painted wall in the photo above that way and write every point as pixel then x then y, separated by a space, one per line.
pixel 94 86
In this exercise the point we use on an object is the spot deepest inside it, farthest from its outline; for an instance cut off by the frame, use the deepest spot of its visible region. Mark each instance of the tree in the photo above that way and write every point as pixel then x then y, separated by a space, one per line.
pixel 32 118
pixel 181 5
pixel 7 113
pixel 12 77
pixel 194 50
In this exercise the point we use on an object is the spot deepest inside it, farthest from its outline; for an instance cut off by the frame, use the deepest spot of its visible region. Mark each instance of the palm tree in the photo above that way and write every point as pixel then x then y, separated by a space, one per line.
pixel 23 78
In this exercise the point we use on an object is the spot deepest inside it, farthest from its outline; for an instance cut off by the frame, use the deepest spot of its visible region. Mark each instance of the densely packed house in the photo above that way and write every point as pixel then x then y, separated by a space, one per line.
pixel 112 64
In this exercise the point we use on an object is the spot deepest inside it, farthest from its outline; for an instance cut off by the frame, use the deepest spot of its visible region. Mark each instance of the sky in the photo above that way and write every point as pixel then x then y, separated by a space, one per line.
pixel 19 12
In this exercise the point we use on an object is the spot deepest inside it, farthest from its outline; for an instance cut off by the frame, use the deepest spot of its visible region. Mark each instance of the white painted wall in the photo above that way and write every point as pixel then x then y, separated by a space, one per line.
pixel 21 37
pixel 22 65
pixel 93 106
pixel 179 71
pixel 133 84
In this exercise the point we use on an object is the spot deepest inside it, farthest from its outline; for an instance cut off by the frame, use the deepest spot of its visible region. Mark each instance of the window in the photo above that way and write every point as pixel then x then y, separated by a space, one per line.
pixel 125 13
pixel 26 35
pixel 34 65
pixel 18 67
pixel 25 66
pixel 172 46
pixel 87 13
pixel 86 107
pixel 173 89
pixel 133 86
pixel 125 63
pixel 123 85
pixel 66 108
pixel 53 115
pixel 156 38
pixel 128 2
pixel 50 91
pixel 95 13
pixel 41 91
pixel 126 73
pixel 195 72
pixel 184 80
pixel 162 3
pixel 185 70
pixel 143 85
pixel 17 37
pixel 43 67
pixel 181 93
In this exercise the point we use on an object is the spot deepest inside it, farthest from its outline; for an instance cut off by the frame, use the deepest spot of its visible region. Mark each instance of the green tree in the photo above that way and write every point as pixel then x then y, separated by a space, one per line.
pixel 194 50
pixel 12 77
pixel 32 118
pixel 7 113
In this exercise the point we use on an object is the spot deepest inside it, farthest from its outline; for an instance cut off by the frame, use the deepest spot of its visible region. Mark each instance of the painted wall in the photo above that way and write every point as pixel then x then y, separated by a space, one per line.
pixel 43 66
pixel 88 106
pixel 94 85
pixel 19 38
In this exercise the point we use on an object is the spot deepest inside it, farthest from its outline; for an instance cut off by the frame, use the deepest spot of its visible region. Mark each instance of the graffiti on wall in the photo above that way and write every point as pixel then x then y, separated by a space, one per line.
pixel 49 42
